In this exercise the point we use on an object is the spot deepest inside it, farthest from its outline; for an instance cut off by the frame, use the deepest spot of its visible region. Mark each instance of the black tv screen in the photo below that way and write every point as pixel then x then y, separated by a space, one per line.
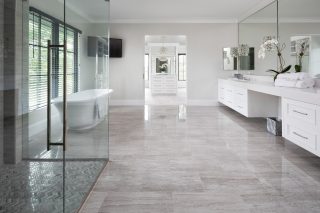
pixel 115 48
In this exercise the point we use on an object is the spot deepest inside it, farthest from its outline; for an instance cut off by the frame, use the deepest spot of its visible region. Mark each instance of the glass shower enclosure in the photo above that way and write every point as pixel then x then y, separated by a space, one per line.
pixel 61 104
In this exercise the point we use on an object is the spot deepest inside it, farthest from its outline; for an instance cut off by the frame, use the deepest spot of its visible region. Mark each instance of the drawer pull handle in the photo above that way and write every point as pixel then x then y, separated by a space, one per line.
pixel 240 94
pixel 240 107
pixel 297 134
pixel 302 113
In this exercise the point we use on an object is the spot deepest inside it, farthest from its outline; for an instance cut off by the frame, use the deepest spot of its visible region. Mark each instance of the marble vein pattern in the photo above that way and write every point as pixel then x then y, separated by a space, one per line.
pixel 177 159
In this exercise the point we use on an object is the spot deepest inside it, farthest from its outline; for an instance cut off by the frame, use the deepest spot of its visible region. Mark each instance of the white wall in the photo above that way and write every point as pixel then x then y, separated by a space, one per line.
pixel 205 43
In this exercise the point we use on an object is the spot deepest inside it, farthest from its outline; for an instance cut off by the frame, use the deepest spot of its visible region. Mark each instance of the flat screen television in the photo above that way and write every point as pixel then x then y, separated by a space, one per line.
pixel 115 48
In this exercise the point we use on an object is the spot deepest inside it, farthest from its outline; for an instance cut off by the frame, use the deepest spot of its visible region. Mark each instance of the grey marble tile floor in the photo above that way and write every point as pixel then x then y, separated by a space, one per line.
pixel 201 159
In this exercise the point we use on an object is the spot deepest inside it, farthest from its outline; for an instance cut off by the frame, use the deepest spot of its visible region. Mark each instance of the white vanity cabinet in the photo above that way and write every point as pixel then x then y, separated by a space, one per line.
pixel 234 97
pixel 301 124
pixel 246 102
pixel 300 108
pixel 164 84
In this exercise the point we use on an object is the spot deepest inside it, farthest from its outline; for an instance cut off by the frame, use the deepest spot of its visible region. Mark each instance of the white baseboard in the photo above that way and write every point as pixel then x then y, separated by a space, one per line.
pixel 141 103
pixel 126 102
pixel 41 125
pixel 203 103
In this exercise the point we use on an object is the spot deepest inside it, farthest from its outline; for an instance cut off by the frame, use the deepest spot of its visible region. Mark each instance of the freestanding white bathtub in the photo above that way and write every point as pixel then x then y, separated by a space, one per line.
pixel 85 109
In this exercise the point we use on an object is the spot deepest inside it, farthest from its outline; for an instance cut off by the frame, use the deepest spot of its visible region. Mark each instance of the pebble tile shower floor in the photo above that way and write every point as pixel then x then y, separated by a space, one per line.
pixel 36 186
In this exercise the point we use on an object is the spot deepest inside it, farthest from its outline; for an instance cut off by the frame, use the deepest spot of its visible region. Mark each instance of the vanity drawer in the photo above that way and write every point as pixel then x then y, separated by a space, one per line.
pixel 241 109
pixel 221 93
pixel 300 112
pixel 156 85
pixel 157 91
pixel 240 96
pixel 304 138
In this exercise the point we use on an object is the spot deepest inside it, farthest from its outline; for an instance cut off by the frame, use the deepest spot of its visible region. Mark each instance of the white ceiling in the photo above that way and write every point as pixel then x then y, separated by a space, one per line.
pixel 180 10
pixel 93 10
pixel 191 11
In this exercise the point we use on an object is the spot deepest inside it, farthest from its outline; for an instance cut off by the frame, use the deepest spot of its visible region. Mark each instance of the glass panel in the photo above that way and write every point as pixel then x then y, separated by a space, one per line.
pixel 87 98
pixel 31 177
pixel 43 26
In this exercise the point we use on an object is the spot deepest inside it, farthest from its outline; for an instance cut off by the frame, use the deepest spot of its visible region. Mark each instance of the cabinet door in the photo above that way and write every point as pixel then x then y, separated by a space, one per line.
pixel 221 93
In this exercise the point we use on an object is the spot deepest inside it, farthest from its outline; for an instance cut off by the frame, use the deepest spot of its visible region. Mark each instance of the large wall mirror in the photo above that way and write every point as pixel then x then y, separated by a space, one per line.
pixel 252 31
pixel 297 29
pixel 230 55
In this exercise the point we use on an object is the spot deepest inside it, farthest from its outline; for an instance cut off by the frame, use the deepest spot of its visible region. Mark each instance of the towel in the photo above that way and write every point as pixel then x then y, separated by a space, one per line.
pixel 100 107
pixel 294 76
pixel 307 83
pixel 284 83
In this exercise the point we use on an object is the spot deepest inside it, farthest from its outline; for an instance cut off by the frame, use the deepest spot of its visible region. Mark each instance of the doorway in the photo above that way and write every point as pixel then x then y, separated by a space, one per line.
pixel 165 63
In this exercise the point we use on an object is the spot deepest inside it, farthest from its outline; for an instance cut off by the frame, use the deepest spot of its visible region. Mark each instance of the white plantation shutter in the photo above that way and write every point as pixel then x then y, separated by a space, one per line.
pixel 41 29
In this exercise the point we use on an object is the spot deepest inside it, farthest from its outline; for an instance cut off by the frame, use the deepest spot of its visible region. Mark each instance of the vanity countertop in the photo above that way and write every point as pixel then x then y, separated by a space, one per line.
pixel 310 95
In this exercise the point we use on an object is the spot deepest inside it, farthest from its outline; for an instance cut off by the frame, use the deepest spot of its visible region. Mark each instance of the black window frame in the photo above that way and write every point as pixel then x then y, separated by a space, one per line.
pixel 56 72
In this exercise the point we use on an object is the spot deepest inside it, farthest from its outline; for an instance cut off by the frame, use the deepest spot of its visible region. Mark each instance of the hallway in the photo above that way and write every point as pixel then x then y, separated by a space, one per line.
pixel 209 160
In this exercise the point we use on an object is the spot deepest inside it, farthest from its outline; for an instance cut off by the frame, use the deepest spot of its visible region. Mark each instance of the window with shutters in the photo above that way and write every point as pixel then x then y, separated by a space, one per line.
pixel 42 28
pixel 146 67
pixel 182 67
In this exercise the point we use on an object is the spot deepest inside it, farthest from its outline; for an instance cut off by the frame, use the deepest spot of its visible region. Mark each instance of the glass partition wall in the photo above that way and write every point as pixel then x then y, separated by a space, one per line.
pixel 56 115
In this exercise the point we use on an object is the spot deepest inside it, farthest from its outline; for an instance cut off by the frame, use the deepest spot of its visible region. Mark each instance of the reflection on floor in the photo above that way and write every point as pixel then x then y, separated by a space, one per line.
pixel 180 98
pixel 214 160
pixel 92 143
pixel 36 186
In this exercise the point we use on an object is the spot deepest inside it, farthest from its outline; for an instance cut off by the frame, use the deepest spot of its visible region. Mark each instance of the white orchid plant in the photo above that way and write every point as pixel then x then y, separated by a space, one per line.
pixel 273 45
pixel 301 49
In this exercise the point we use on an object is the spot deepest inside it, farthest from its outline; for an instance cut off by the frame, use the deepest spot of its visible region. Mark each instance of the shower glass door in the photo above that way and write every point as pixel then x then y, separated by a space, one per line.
pixel 42 144
pixel 65 100
pixel 87 97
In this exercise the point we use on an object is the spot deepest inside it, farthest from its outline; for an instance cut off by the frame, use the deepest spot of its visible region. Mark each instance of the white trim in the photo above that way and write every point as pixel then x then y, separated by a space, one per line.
pixel 203 103
pixel 299 20
pixel 282 20
pixel 151 44
pixel 176 21
pixel 141 103
pixel 126 102
pixel 40 126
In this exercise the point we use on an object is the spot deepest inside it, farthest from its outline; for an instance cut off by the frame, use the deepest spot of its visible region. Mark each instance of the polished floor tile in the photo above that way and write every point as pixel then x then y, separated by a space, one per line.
pixel 160 99
pixel 201 159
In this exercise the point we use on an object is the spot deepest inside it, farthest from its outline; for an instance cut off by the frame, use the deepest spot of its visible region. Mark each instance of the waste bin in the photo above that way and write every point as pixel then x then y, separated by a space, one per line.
pixel 274 126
